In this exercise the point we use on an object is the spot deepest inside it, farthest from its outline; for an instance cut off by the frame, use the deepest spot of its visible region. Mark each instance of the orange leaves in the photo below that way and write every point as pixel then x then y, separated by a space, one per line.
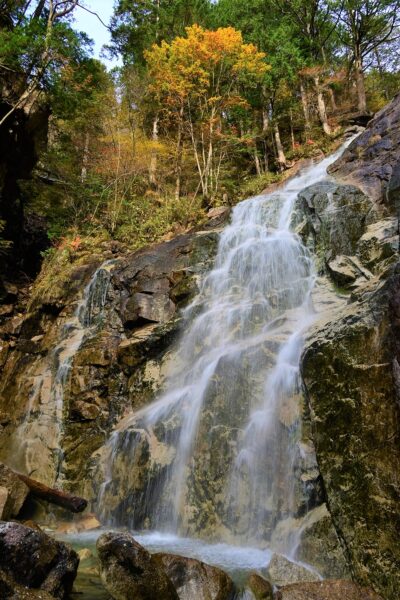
pixel 198 81
pixel 70 244
pixel 202 64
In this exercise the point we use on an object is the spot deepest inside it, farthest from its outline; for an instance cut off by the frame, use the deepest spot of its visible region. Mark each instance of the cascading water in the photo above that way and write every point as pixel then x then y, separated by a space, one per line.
pixel 223 439
pixel 42 427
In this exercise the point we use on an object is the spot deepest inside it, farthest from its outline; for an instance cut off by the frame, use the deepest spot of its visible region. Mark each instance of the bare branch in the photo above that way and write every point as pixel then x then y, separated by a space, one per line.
pixel 95 14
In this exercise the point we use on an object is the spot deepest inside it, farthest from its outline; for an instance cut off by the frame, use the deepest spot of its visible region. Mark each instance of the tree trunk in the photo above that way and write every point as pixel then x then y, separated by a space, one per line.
pixel 265 118
pixel 306 110
pixel 266 158
pixel 257 162
pixel 207 175
pixel 332 99
pixel 179 157
pixel 362 99
pixel 381 74
pixel 322 108
pixel 291 130
pixel 73 503
pixel 279 148
pixel 85 158
pixel 153 159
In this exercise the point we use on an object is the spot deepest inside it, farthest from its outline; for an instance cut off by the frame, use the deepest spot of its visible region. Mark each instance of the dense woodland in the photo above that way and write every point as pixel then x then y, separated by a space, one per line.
pixel 214 100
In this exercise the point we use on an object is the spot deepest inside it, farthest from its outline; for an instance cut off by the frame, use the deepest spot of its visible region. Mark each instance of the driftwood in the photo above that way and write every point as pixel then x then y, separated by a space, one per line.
pixel 73 503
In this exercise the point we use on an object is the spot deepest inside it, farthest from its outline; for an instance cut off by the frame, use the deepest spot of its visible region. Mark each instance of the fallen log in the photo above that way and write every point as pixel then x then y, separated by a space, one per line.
pixel 73 503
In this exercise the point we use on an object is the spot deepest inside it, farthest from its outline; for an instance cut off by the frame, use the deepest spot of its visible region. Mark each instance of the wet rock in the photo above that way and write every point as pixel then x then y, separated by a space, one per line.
pixel 14 493
pixel 370 160
pixel 35 560
pixel 326 590
pixel 10 590
pixel 282 571
pixel 353 130
pixel 195 579
pixel 260 587
pixel 320 544
pixel 128 571
pixel 336 216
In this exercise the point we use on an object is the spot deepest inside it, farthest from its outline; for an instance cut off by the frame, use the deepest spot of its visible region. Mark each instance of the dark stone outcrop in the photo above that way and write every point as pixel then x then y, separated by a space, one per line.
pixel 34 560
pixel 195 579
pixel 372 159
pixel 128 571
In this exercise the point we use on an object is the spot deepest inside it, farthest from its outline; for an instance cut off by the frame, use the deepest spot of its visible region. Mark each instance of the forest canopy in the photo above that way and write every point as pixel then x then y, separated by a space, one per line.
pixel 213 101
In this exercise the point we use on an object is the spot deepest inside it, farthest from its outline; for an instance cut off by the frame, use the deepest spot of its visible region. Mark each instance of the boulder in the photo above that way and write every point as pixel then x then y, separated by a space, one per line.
pixel 128 571
pixel 13 493
pixel 195 579
pixel 33 559
pixel 260 587
pixel 282 571
pixel 9 590
pixel 326 590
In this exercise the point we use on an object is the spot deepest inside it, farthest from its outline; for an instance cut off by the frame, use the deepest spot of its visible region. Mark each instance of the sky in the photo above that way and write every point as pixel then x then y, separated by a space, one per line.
pixel 90 24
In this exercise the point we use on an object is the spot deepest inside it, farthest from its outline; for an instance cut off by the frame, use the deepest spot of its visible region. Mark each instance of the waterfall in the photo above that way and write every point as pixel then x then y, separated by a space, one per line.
pixel 41 430
pixel 216 453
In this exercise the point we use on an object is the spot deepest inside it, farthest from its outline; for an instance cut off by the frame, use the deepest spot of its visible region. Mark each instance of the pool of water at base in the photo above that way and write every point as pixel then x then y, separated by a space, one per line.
pixel 237 561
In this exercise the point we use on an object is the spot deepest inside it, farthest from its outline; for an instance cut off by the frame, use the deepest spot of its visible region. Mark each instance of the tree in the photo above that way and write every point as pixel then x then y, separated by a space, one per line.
pixel 34 45
pixel 315 23
pixel 262 25
pixel 366 26
pixel 197 81
pixel 137 25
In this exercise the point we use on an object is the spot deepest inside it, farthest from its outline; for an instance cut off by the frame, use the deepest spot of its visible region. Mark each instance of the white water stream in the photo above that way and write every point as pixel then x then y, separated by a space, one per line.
pixel 42 427
pixel 237 375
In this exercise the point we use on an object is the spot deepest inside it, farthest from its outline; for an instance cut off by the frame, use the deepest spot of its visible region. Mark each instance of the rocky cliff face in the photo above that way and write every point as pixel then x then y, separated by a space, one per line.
pixel 77 363
pixel 372 161
pixel 350 364
pixel 74 364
